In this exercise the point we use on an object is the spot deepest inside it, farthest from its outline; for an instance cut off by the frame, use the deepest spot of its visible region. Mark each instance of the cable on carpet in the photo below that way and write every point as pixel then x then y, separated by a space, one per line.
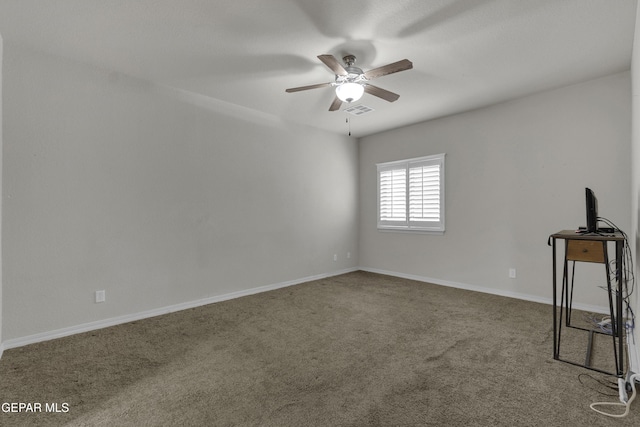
pixel 626 404
pixel 607 384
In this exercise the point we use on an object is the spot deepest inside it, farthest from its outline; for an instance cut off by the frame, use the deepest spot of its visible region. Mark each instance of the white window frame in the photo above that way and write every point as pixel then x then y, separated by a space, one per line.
pixel 400 218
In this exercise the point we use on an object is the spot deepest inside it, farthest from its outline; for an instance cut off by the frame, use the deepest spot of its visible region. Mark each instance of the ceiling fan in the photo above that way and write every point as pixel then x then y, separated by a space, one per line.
pixel 351 82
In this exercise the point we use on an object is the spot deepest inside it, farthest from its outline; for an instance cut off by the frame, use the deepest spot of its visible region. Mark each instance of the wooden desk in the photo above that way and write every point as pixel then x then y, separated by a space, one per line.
pixel 589 248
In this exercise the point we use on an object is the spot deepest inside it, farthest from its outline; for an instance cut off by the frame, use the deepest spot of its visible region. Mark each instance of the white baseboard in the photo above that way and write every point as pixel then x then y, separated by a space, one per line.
pixel 86 327
pixel 510 294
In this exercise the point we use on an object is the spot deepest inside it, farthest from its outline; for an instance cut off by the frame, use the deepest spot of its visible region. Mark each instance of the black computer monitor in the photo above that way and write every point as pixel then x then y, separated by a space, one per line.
pixel 592 211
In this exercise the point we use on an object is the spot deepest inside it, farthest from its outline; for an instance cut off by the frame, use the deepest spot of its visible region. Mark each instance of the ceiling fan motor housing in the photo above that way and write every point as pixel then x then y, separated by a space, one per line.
pixel 354 74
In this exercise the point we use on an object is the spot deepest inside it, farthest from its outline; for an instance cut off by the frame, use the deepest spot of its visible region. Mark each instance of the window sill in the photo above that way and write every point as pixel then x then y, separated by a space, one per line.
pixel 410 230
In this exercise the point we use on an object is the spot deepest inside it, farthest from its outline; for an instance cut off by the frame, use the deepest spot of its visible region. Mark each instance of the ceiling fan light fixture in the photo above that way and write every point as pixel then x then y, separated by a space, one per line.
pixel 349 91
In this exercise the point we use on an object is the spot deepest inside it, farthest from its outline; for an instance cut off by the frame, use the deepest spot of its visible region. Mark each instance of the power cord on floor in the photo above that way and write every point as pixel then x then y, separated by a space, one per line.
pixel 606 383
pixel 627 404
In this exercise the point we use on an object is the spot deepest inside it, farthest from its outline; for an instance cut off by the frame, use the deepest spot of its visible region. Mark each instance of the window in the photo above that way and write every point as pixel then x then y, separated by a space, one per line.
pixel 411 194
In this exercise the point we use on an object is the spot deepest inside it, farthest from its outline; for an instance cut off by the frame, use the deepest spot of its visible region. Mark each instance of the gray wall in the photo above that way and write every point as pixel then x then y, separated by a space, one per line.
pixel 157 196
pixel 515 173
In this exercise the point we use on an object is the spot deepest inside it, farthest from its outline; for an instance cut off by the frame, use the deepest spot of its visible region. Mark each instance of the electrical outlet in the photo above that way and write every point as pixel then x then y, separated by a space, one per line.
pixel 348 255
pixel 101 296
pixel 335 257
pixel 512 273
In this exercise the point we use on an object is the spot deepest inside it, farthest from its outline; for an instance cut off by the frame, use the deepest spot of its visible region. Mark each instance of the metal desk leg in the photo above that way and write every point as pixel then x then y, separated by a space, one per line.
pixel 620 330
pixel 555 303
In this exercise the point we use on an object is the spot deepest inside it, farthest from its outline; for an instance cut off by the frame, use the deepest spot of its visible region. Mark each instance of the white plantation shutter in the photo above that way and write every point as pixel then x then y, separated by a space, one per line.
pixel 424 193
pixel 411 194
pixel 393 195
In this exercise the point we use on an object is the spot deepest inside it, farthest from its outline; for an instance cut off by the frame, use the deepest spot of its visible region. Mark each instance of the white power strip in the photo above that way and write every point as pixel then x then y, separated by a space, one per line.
pixel 622 390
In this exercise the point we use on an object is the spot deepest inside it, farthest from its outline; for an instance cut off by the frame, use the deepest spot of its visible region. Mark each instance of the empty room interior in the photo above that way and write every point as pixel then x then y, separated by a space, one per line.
pixel 164 157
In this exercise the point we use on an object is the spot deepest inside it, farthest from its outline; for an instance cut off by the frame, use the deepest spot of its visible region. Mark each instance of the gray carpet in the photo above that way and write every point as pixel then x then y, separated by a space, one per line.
pixel 358 349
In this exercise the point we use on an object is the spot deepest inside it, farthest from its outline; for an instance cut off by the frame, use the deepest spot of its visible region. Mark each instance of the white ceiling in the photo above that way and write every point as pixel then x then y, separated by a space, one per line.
pixel 465 53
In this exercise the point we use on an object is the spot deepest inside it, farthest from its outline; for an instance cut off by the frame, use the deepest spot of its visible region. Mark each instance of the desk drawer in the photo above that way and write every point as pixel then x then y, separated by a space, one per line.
pixel 585 250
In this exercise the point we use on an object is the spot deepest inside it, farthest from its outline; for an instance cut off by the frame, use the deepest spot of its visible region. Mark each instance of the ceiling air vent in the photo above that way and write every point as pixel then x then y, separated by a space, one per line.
pixel 359 110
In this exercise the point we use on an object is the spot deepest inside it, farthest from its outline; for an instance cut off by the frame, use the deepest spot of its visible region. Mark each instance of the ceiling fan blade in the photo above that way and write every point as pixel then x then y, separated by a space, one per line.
pixel 335 105
pixel 405 64
pixel 381 93
pixel 298 89
pixel 331 62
